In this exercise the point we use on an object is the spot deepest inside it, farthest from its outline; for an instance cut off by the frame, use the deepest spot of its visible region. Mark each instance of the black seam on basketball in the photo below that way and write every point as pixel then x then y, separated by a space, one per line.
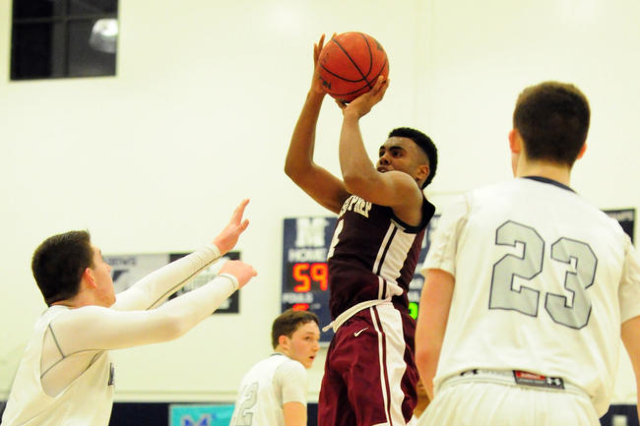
pixel 370 58
pixel 364 77
pixel 339 76
pixel 356 81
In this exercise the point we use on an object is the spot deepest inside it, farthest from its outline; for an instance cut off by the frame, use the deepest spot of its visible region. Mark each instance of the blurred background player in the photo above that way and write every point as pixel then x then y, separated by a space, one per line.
pixel 274 391
pixel 66 376
pixel 370 374
pixel 528 286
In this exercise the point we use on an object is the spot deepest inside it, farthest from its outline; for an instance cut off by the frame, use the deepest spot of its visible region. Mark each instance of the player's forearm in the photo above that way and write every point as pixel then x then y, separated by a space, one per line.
pixel 300 154
pixel 156 287
pixel 357 169
pixel 295 414
pixel 191 308
pixel 77 331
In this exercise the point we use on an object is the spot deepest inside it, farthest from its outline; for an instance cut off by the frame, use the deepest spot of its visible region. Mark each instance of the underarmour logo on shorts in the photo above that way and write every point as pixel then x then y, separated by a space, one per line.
pixel 357 333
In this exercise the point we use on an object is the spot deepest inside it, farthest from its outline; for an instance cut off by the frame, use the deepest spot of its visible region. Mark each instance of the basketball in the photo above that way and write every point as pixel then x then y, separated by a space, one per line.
pixel 350 64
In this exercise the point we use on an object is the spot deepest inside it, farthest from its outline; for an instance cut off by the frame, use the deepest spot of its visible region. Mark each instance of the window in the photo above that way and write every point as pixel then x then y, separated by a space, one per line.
pixel 63 38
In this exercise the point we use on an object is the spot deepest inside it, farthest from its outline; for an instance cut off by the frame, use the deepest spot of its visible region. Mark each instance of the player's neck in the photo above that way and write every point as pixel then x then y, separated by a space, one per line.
pixel 558 172
pixel 79 300
pixel 280 350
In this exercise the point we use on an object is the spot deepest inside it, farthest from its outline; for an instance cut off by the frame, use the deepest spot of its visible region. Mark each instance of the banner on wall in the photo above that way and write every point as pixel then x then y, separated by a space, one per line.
pixel 200 415
pixel 626 218
pixel 127 269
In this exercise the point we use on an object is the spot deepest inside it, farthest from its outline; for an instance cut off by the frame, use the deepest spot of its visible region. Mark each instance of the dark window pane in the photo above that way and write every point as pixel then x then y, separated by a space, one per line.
pixel 37 51
pixel 91 59
pixel 37 8
pixel 84 7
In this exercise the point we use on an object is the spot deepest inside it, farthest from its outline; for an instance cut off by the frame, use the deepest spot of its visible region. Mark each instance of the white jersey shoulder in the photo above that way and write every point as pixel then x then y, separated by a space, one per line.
pixel 266 387
pixel 538 277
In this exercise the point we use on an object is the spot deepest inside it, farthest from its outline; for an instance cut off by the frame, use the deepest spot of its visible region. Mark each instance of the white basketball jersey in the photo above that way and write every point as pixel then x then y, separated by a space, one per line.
pixel 86 401
pixel 266 388
pixel 543 281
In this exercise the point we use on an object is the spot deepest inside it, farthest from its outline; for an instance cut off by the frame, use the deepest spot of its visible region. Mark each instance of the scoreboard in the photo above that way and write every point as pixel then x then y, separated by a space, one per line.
pixel 305 276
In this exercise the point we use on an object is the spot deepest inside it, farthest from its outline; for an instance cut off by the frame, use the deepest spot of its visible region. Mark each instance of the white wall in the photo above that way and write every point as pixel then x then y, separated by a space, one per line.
pixel 200 114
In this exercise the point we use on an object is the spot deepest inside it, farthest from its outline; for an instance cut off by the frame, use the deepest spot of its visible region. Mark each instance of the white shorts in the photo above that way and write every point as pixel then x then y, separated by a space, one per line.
pixel 483 400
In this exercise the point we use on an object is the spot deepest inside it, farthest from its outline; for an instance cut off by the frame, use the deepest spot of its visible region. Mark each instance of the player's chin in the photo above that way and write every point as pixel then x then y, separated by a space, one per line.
pixel 309 361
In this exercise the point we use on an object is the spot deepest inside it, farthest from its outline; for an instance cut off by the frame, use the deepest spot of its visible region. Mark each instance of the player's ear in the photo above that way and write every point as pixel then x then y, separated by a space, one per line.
pixel 87 277
pixel 283 342
pixel 423 172
pixel 515 141
pixel 582 150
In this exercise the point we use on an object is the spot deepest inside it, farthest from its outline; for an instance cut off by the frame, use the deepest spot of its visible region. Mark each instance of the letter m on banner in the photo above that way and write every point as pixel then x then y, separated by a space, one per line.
pixel 204 420
pixel 310 231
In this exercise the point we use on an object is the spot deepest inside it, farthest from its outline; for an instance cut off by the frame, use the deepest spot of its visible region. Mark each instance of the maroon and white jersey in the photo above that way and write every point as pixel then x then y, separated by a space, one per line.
pixel 373 254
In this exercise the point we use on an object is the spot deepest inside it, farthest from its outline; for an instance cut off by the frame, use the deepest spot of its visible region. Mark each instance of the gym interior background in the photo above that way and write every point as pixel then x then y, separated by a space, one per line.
pixel 198 114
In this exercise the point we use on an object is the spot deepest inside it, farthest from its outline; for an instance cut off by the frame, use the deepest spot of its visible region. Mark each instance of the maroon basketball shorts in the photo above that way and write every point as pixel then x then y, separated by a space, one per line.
pixel 370 375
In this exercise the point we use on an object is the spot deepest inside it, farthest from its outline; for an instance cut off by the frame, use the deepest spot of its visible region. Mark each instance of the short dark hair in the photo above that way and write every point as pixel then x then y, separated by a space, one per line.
pixel 59 262
pixel 553 120
pixel 288 322
pixel 425 143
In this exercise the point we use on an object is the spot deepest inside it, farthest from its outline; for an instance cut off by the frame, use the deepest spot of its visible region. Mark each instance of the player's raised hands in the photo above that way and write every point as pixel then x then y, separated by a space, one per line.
pixel 242 271
pixel 228 238
pixel 316 83
pixel 361 105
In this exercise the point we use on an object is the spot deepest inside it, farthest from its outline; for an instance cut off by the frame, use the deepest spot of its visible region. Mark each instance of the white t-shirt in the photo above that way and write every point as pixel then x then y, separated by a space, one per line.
pixel 65 376
pixel 266 387
pixel 543 281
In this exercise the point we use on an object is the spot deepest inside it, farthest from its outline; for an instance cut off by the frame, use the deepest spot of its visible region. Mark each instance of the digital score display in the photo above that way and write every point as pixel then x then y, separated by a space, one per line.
pixel 305 275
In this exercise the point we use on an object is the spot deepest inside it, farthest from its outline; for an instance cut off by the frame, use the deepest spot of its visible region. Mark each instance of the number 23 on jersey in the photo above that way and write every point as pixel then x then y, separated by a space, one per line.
pixel 581 264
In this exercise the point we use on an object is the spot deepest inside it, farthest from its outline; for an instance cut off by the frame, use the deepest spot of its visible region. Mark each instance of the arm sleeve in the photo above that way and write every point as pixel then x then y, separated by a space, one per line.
pixel 156 287
pixel 629 292
pixel 292 377
pixel 98 328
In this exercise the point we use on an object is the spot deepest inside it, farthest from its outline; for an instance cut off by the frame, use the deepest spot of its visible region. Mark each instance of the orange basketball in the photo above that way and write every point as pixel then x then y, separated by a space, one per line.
pixel 350 63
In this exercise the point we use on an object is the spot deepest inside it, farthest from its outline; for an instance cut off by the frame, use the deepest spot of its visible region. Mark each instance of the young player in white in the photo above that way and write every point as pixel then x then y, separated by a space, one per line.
pixel 274 391
pixel 66 376
pixel 528 287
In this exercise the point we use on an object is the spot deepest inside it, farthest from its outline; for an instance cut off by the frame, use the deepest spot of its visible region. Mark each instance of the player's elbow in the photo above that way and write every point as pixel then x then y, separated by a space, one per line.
pixel 356 183
pixel 172 327
pixel 295 170
pixel 422 356
pixel 427 354
pixel 291 170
